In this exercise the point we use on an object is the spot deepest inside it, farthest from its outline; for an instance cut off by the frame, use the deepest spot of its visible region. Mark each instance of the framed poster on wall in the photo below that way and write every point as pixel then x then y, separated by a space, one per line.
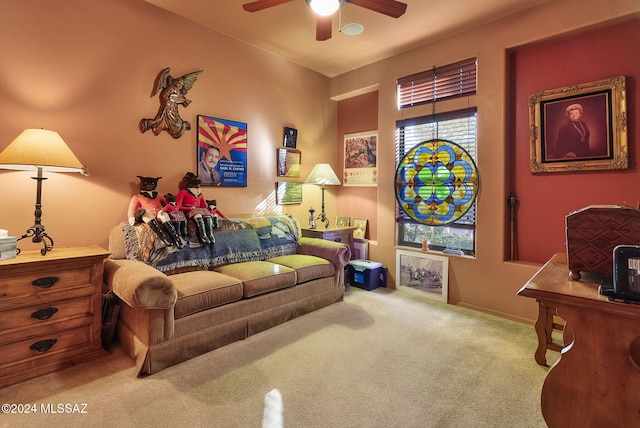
pixel 361 159
pixel 221 152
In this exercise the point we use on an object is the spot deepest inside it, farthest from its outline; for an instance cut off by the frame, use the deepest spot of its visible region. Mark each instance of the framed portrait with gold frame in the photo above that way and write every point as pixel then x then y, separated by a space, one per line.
pixel 579 128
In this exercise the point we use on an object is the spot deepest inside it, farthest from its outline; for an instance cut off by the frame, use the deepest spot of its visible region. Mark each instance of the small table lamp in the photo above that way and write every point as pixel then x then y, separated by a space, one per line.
pixel 40 150
pixel 322 174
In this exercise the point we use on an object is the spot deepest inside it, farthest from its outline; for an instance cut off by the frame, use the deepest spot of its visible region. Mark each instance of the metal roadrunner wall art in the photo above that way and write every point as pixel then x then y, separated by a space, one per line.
pixel 173 93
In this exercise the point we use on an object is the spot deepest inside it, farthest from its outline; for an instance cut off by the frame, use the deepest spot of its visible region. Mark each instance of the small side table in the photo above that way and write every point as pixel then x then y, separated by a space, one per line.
pixel 336 234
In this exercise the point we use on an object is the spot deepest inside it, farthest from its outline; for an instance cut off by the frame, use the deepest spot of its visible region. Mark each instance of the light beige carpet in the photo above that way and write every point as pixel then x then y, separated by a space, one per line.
pixel 379 359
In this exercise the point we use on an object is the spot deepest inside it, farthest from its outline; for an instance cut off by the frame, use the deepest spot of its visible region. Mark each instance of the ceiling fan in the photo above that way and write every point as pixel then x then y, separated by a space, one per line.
pixel 326 8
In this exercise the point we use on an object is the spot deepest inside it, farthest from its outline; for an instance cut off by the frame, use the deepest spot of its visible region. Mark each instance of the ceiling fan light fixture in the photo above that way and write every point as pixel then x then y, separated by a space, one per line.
pixel 325 7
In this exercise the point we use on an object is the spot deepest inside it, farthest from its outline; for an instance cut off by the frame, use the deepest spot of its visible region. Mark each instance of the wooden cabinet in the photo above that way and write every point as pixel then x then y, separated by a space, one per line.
pixel 50 311
pixel 336 234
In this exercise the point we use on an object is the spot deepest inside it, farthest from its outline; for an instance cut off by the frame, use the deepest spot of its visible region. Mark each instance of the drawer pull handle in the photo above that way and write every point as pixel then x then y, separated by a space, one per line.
pixel 43 345
pixel 46 282
pixel 44 314
pixel 338 240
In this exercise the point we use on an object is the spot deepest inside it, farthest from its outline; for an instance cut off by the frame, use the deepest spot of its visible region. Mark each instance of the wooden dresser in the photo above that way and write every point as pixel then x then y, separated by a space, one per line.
pixel 50 311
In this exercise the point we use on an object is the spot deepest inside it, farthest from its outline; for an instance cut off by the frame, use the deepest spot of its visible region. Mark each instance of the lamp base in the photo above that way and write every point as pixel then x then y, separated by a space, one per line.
pixel 324 219
pixel 37 234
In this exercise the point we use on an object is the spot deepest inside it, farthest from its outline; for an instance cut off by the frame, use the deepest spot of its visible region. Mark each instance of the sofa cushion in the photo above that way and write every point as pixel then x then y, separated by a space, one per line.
pixel 307 267
pixel 200 290
pixel 260 277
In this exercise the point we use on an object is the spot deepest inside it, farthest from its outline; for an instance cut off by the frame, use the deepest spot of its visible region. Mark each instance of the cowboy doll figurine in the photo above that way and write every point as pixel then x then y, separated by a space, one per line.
pixel 146 207
pixel 177 217
pixel 191 201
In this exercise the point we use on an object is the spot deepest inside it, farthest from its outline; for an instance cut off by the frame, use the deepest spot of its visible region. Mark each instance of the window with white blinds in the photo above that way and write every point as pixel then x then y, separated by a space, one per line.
pixel 449 81
pixel 459 127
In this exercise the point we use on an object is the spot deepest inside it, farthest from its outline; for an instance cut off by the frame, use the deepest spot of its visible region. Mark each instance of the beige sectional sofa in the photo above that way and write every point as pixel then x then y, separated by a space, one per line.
pixel 179 303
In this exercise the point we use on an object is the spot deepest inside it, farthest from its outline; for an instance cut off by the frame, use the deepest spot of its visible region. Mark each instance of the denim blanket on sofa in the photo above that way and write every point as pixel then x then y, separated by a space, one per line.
pixel 237 240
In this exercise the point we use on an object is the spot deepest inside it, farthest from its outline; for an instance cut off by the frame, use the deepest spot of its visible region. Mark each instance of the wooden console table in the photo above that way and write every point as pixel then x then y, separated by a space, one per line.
pixel 596 381
pixel 337 234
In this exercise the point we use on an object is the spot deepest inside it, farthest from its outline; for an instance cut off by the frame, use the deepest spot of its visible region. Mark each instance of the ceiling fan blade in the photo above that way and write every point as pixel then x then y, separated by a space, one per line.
pixel 255 6
pixel 323 28
pixel 392 8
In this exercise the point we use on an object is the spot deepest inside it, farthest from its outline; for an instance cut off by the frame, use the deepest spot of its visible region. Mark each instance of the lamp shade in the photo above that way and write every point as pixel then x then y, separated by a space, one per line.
pixel 40 148
pixel 323 175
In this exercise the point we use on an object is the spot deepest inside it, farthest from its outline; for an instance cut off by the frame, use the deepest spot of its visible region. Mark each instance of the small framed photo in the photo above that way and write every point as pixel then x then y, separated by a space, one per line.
pixel 342 221
pixel 580 127
pixel 424 274
pixel 360 227
pixel 288 193
pixel 288 162
pixel 290 137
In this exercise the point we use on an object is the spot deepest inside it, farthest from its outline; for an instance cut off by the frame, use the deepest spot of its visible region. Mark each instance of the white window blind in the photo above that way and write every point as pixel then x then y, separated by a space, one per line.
pixel 449 81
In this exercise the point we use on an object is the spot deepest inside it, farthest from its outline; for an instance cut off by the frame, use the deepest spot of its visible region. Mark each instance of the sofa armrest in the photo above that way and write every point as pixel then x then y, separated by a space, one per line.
pixel 139 285
pixel 337 253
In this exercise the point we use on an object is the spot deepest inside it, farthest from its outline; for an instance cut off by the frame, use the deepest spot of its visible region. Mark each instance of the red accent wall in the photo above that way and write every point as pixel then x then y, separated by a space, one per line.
pixel 545 199
pixel 358 114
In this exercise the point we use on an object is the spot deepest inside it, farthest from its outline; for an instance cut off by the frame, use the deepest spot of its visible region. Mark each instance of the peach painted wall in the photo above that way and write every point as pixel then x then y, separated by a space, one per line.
pixel 86 69
pixel 486 282
pixel 359 114
pixel 612 51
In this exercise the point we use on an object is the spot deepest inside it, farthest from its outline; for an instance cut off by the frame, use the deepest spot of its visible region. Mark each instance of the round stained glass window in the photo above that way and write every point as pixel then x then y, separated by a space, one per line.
pixel 436 182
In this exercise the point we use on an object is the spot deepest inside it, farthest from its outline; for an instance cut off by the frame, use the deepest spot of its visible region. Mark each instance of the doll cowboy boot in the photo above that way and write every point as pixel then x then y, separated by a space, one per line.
pixel 173 233
pixel 210 226
pixel 201 229
pixel 155 226
pixel 181 227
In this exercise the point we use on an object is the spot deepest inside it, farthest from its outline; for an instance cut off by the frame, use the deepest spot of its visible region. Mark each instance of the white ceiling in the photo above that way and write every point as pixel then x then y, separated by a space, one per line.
pixel 288 29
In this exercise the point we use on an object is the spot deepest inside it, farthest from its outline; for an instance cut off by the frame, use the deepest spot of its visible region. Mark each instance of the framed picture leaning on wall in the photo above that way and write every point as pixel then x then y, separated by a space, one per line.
pixel 424 274
pixel 579 127
pixel 360 227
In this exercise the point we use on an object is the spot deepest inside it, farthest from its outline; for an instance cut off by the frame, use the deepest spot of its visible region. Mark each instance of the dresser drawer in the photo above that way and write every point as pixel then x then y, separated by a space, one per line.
pixel 338 236
pixel 56 280
pixel 48 313
pixel 45 346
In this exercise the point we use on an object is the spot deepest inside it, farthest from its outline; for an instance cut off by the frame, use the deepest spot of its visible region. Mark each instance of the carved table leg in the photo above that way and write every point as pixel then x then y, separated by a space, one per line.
pixel 541 332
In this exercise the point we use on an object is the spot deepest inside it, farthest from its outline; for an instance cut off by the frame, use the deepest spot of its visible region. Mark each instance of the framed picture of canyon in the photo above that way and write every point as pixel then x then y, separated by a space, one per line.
pixel 579 128
pixel 361 159
pixel 423 274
